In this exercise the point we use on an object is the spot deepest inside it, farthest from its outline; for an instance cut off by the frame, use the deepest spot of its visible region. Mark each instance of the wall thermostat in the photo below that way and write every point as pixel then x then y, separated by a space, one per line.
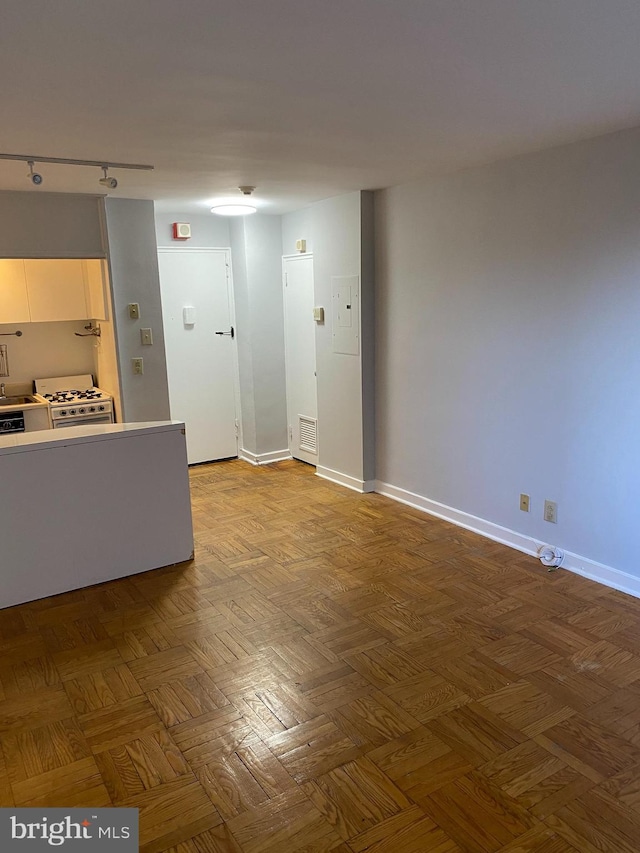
pixel 301 245
pixel 318 315
pixel 181 231
pixel 189 315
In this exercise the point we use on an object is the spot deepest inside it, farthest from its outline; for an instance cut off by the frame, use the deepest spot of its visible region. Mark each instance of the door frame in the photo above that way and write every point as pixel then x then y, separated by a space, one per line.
pixel 299 256
pixel 209 250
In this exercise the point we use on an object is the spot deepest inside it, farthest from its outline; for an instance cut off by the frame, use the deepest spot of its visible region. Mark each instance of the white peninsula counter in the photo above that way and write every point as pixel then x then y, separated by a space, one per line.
pixel 87 504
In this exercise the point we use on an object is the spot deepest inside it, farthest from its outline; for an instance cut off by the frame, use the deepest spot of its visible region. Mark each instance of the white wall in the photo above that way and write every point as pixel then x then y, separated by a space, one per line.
pixel 208 231
pixel 297 225
pixel 341 235
pixel 48 349
pixel 256 246
pixel 508 353
pixel 242 304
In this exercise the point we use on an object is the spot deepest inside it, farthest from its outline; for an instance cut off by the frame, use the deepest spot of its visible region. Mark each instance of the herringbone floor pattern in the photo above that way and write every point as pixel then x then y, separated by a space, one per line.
pixel 332 672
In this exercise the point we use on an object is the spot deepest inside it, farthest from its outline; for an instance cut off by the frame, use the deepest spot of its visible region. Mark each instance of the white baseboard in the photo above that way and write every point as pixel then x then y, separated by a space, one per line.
pixel 361 486
pixel 264 458
pixel 590 569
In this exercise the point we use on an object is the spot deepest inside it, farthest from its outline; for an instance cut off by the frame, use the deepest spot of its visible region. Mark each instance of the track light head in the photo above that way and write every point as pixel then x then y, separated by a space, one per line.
pixel 108 182
pixel 111 183
pixel 246 190
pixel 36 177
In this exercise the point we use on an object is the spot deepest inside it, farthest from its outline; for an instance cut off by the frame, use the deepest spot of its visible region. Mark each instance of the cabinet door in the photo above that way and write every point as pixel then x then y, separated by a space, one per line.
pixel 14 304
pixel 56 290
pixel 95 278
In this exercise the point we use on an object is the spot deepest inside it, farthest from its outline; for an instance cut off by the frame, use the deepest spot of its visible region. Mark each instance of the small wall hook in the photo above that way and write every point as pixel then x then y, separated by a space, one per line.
pixel 91 331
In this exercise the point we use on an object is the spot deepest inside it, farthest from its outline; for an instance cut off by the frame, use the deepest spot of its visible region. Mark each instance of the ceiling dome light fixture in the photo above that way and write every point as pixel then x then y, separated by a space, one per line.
pixel 234 209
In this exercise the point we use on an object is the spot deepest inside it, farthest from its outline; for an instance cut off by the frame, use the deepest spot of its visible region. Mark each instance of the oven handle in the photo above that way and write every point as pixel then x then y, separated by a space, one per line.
pixel 83 421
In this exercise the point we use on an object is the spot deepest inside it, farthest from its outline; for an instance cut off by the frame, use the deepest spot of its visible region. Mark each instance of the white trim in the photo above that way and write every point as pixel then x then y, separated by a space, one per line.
pixel 177 247
pixel 264 458
pixel 583 566
pixel 297 255
pixel 361 486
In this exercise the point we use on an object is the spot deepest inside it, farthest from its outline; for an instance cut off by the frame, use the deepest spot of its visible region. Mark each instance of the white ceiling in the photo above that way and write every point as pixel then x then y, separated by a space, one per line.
pixel 304 99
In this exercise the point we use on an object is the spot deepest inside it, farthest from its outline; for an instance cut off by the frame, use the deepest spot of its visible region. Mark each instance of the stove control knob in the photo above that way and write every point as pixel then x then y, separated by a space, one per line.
pixel 101 408
pixel 81 411
pixel 72 411
pixel 63 412
pixel 92 408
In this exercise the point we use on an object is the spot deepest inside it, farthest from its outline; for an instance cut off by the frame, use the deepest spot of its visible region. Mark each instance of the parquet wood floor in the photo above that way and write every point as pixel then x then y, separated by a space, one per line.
pixel 332 672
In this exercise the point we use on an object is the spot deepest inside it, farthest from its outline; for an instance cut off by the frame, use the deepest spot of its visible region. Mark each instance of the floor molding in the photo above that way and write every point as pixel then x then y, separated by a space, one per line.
pixel 576 563
pixel 361 486
pixel 264 458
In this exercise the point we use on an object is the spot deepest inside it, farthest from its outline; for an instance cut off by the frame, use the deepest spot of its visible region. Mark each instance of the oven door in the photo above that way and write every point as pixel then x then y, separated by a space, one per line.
pixel 83 420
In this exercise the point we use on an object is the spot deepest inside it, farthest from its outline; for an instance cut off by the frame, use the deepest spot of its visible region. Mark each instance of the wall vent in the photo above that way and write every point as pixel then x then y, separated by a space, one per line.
pixel 308 434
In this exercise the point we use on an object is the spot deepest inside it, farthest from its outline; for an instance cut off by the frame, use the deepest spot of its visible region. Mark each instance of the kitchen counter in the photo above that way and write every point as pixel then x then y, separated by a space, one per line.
pixel 37 404
pixel 21 442
pixel 87 504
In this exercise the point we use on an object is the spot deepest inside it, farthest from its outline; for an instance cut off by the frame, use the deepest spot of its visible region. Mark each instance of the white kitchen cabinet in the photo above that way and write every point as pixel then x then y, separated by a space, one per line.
pixel 56 290
pixel 14 303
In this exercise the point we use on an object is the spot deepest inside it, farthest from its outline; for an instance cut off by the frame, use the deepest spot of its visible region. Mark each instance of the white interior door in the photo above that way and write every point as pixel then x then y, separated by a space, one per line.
pixel 196 305
pixel 300 356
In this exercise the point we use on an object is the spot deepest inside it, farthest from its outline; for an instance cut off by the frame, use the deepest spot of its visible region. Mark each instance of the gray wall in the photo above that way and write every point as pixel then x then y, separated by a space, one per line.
pixel 508 355
pixel 50 225
pixel 133 262
pixel 256 246
pixel 208 231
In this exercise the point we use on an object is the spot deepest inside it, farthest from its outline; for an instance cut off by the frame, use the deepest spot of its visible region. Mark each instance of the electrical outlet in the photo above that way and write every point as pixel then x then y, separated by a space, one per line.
pixel 146 337
pixel 551 511
pixel 524 503
pixel 137 365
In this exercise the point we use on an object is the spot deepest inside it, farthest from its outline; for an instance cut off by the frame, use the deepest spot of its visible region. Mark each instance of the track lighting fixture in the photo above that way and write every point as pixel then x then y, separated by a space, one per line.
pixel 107 181
pixel 36 177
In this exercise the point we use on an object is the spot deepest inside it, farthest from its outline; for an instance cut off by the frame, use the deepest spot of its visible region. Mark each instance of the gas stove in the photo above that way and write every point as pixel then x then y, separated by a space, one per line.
pixel 75 396
pixel 74 400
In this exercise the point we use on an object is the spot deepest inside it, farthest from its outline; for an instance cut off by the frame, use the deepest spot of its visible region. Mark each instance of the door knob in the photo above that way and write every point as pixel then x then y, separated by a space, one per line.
pixel 231 333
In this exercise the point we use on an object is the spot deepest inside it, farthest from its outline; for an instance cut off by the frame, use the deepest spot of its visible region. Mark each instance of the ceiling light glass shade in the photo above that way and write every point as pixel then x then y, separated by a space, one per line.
pixel 233 209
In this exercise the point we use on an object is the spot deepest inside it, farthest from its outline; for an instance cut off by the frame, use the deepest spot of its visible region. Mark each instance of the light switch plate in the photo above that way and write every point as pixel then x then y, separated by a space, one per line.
pixel 134 311
pixel 146 337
